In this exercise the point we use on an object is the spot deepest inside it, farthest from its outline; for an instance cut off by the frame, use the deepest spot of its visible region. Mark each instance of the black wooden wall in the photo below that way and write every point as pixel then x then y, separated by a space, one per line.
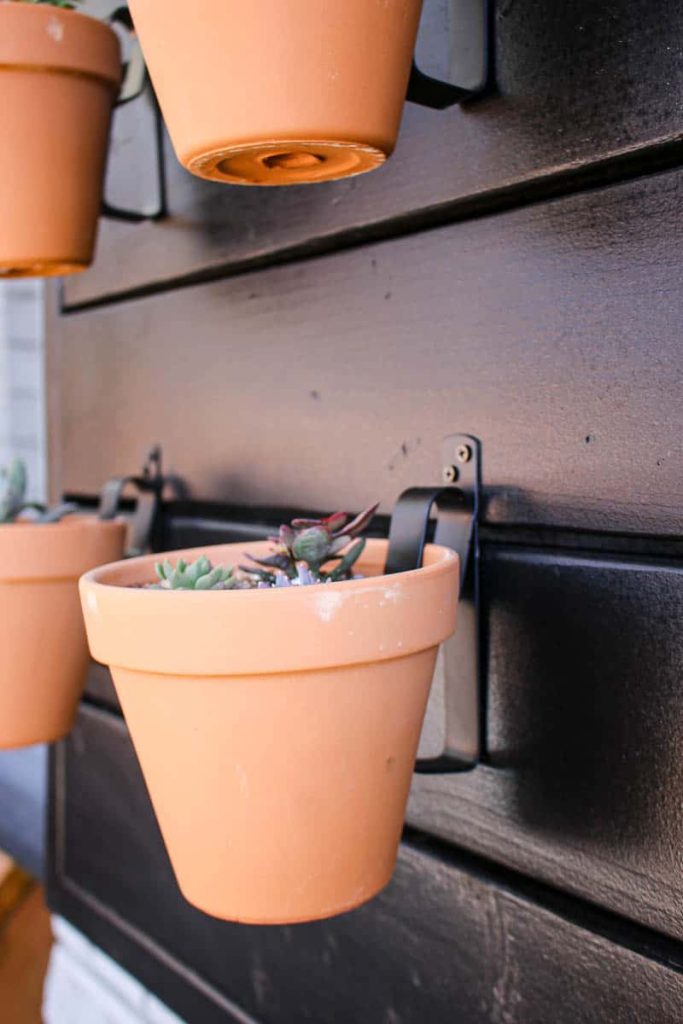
pixel 514 272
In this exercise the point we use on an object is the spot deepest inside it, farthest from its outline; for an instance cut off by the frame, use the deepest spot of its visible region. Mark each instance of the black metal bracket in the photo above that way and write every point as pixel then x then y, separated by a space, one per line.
pixel 457 505
pixel 150 486
pixel 473 18
pixel 135 82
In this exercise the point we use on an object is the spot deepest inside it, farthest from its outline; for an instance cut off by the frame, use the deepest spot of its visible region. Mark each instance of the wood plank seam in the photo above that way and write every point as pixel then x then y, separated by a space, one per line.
pixel 597 174
pixel 638 938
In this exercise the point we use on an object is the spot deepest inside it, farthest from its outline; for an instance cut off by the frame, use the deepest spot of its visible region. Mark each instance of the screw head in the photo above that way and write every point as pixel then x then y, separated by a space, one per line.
pixel 463 453
pixel 450 474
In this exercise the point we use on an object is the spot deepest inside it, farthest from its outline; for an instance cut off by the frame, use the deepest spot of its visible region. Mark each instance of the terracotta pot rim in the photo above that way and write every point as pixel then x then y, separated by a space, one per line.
pixel 57 69
pixel 82 519
pixel 96 578
pixel 50 552
pixel 262 632
pixel 101 61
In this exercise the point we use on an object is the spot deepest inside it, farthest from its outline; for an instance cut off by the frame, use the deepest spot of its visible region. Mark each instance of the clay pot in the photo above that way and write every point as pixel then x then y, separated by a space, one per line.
pixel 43 650
pixel 59 76
pixel 277 93
pixel 277 729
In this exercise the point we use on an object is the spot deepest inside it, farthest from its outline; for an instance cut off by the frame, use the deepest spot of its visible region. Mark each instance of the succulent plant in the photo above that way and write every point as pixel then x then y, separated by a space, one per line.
pixel 307 545
pixel 13 502
pixel 301 551
pixel 13 493
pixel 199 575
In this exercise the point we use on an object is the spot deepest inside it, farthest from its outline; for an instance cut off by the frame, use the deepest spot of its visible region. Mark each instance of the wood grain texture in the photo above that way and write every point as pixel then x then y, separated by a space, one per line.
pixel 438 942
pixel 552 333
pixel 585 727
pixel 576 81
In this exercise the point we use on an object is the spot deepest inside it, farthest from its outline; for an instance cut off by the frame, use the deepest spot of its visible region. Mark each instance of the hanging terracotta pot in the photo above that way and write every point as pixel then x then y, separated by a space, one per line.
pixel 59 76
pixel 277 93
pixel 276 729
pixel 43 649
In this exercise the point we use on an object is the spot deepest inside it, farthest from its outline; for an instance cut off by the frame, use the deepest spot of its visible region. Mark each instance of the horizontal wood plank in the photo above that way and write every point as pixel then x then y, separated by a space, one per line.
pixel 552 333
pixel 585 726
pixel 576 82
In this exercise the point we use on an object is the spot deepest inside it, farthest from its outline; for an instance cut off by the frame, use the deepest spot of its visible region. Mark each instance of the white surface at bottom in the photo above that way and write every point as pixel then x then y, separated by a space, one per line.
pixel 84 986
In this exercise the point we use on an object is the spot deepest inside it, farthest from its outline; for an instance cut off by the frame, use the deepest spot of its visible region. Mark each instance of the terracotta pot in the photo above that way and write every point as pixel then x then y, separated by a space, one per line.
pixel 277 93
pixel 43 650
pixel 59 76
pixel 276 729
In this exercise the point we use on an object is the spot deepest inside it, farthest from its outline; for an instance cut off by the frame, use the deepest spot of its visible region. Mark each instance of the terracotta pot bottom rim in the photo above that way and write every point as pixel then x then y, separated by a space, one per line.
pixel 40 268
pixel 282 919
pixel 7 744
pixel 285 161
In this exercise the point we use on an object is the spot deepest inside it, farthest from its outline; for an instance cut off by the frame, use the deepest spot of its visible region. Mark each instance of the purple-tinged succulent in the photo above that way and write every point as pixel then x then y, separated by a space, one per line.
pixel 304 548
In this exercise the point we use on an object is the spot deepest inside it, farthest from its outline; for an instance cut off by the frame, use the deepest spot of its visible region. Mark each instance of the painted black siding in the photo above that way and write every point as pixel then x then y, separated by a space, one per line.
pixel 514 272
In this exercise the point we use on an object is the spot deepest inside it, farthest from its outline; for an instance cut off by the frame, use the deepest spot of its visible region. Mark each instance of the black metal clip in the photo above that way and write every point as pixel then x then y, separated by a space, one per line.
pixel 457 504
pixel 134 85
pixel 150 486
pixel 473 19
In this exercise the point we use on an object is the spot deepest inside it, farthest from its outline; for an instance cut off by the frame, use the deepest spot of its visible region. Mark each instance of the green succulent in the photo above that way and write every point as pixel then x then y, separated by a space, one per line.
pixel 199 575
pixel 12 490
pixel 301 553
pixel 13 504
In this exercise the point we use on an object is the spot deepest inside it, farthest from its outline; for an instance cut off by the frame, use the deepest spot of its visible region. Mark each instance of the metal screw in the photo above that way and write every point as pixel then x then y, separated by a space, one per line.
pixel 463 453
pixel 450 474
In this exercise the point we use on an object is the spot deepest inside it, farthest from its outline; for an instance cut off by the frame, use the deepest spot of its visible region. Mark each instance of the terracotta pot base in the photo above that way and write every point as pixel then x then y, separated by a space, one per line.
pixel 332 910
pixel 310 770
pixel 274 93
pixel 40 268
pixel 286 162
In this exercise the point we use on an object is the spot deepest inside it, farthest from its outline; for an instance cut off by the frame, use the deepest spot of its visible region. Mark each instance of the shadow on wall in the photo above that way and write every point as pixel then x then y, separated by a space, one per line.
pixel 590 755
pixel 592 49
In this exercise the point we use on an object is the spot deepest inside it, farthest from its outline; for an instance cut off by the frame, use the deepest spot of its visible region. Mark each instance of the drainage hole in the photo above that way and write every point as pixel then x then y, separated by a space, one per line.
pixel 293 161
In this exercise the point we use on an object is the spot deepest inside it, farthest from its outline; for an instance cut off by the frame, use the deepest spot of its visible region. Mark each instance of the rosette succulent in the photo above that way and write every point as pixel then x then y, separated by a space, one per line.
pixel 199 575
pixel 306 552
pixel 303 549
pixel 13 504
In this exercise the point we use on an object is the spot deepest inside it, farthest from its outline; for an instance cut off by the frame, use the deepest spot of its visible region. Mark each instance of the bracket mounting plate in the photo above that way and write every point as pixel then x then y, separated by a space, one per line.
pixel 457 503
